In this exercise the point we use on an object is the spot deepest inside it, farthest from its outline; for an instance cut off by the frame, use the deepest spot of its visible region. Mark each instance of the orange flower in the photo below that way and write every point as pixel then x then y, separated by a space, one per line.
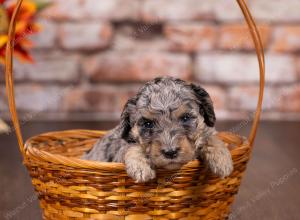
pixel 25 26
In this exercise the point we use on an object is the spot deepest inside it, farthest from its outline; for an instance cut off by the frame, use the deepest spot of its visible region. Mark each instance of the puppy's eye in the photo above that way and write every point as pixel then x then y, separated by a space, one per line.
pixel 148 123
pixel 186 117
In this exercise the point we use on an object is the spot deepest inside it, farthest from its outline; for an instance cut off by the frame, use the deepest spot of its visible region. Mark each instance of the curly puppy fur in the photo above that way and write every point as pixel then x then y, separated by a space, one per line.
pixel 167 124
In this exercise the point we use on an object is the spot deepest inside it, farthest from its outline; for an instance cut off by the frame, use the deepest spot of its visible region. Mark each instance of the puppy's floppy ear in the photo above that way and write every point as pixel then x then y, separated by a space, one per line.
pixel 129 109
pixel 205 105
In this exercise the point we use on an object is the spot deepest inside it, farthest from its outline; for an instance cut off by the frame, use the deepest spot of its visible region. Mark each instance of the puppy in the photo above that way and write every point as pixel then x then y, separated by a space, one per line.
pixel 167 124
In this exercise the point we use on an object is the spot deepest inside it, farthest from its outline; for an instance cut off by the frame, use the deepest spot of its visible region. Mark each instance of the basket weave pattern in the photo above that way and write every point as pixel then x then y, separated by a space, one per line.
pixel 106 192
pixel 73 189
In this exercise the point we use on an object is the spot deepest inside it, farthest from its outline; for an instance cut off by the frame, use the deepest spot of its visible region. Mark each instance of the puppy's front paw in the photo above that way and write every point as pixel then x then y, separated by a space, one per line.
pixel 220 162
pixel 138 166
pixel 140 170
pixel 218 157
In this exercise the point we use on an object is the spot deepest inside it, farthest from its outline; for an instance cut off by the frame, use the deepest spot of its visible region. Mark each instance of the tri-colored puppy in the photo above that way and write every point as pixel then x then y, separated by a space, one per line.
pixel 167 124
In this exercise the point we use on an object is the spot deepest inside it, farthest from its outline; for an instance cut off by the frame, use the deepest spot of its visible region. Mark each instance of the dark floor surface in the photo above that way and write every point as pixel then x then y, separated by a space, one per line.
pixel 270 189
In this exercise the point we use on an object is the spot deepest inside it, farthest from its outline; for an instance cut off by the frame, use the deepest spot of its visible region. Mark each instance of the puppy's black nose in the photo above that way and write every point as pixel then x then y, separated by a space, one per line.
pixel 170 154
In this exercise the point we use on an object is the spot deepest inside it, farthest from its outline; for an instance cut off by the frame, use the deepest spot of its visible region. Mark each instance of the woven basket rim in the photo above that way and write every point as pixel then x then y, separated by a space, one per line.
pixel 43 156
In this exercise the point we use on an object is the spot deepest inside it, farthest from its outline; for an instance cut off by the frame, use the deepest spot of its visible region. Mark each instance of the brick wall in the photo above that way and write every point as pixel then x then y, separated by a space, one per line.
pixel 94 54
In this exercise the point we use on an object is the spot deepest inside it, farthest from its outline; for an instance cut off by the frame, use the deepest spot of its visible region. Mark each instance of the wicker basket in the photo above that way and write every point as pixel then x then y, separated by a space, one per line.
pixel 71 188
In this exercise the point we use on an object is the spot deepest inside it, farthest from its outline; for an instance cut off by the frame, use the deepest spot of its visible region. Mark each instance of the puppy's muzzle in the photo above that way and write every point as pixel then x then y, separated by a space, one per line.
pixel 170 153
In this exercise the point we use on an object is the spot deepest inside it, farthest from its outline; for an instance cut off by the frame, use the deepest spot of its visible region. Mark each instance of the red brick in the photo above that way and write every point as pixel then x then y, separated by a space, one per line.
pixel 93 9
pixel 46 38
pixel 101 98
pixel 112 9
pixel 177 10
pixel 49 67
pixel 245 97
pixel 286 39
pixel 85 35
pixel 289 98
pixel 243 68
pixel 227 11
pixel 190 37
pixel 36 98
pixel 128 37
pixel 64 10
pixel 238 37
pixel 128 43
pixel 138 66
pixel 281 116
pixel 276 11
pixel 232 115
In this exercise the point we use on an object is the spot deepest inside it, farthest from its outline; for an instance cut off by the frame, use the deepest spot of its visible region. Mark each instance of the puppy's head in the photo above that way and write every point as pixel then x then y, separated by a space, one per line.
pixel 169 119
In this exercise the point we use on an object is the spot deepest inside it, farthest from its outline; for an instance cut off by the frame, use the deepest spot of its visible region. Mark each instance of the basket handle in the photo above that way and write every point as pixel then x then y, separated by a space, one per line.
pixel 261 61
pixel 10 81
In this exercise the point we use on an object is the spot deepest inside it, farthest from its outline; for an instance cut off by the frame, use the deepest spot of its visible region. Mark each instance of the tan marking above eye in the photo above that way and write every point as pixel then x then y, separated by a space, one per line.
pixel 135 131
pixel 180 111
pixel 147 114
